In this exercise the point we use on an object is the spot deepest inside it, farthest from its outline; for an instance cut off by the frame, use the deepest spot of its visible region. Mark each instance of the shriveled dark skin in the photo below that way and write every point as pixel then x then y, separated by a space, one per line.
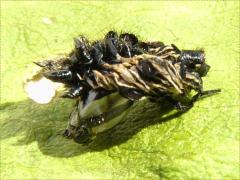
pixel 130 67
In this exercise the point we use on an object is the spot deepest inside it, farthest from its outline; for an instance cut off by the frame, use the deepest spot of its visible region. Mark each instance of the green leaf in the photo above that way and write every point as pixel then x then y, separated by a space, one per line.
pixel 153 141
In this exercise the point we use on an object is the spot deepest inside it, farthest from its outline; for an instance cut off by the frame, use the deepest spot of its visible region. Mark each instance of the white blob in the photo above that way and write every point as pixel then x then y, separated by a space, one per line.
pixel 43 90
pixel 47 20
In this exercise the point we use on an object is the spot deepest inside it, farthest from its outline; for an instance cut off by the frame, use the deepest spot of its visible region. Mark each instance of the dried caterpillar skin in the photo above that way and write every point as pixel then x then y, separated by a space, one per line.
pixel 130 74
pixel 107 76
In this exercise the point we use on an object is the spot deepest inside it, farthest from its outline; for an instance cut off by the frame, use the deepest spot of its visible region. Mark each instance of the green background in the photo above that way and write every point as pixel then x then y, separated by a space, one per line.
pixel 153 142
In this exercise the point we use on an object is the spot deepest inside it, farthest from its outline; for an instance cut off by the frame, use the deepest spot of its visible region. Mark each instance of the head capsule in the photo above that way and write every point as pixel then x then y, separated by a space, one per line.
pixel 82 134
pixel 77 129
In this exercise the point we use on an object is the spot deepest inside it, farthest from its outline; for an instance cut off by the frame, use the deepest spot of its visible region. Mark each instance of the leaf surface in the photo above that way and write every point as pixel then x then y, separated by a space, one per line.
pixel 152 142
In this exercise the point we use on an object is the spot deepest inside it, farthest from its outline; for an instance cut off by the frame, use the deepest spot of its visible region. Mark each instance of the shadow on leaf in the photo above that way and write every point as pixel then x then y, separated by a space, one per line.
pixel 46 123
